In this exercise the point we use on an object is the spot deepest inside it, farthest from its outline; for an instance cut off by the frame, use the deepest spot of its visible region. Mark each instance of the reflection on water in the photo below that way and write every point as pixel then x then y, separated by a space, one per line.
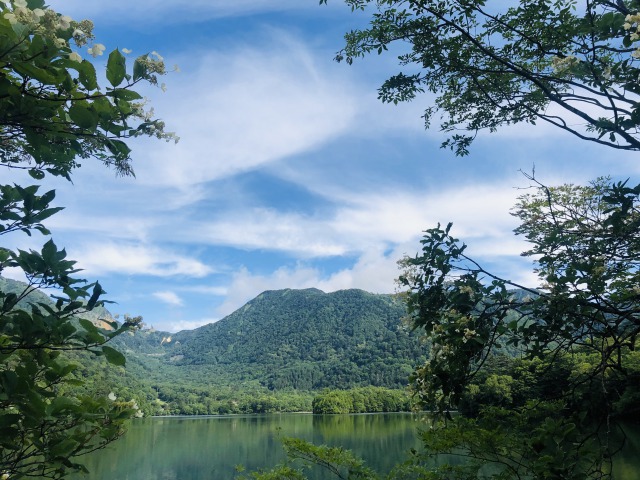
pixel 190 448
pixel 200 448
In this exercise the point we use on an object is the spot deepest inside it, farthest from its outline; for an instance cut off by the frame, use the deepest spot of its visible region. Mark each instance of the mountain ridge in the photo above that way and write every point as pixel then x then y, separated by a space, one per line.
pixel 302 339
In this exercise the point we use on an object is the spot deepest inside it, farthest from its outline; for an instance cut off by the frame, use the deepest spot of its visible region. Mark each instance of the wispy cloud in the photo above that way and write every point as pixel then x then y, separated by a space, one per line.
pixel 364 220
pixel 178 325
pixel 136 259
pixel 238 110
pixel 168 297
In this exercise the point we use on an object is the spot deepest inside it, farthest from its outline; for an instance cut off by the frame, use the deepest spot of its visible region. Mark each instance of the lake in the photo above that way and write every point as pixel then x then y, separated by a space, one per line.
pixel 202 448
pixel 197 448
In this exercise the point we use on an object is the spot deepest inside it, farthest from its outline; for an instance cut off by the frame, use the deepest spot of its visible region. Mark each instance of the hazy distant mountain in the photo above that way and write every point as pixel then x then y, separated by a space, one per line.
pixel 36 296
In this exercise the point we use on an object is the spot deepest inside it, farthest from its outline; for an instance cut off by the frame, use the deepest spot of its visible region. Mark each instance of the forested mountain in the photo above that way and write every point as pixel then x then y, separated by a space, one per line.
pixel 299 339
pixel 269 355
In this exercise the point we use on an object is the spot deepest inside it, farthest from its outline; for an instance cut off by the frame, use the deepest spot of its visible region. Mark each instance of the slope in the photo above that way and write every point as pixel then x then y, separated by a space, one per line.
pixel 298 339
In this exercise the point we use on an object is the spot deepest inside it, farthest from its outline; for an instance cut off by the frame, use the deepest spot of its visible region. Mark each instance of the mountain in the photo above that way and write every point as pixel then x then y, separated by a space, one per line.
pixel 299 339
pixel 269 355
pixel 35 296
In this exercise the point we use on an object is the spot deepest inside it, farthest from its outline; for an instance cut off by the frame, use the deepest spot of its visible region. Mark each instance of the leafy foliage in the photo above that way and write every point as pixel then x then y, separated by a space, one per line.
pixel 52 113
pixel 53 110
pixel 572 65
pixel 335 461
pixel 585 247
pixel 581 322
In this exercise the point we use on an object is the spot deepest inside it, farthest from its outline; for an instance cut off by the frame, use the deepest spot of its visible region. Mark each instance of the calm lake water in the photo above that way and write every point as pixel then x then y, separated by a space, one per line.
pixel 202 448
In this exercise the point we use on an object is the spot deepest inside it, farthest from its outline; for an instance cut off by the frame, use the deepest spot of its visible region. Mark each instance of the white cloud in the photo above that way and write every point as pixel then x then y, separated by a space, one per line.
pixel 168 297
pixel 244 286
pixel 366 220
pixel 270 229
pixel 136 259
pixel 368 224
pixel 237 110
pixel 374 271
pixel 178 325
pixel 14 274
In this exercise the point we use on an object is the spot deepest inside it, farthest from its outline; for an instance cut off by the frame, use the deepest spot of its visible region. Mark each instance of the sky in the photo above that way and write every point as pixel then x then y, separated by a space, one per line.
pixel 289 172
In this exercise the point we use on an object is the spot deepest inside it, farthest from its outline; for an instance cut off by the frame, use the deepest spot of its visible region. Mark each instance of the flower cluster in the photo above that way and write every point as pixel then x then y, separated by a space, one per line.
pixel 564 65
pixel 42 21
pixel 153 64
pixel 468 334
pixel 52 25
pixel 632 26
pixel 132 404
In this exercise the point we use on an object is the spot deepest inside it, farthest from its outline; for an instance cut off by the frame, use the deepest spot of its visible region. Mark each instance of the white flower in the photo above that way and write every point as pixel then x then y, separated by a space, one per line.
pixel 97 50
pixel 64 22
pixel 11 18
pixel 75 56
pixel 20 3
pixel 38 12
pixel 112 396
pixel 126 50
pixel 157 55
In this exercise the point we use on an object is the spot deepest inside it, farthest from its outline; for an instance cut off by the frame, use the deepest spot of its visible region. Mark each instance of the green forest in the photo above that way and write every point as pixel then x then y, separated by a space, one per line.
pixel 312 341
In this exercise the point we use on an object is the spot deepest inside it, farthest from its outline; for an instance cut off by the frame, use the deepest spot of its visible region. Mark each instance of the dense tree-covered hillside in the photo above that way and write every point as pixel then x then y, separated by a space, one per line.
pixel 296 339
pixel 269 355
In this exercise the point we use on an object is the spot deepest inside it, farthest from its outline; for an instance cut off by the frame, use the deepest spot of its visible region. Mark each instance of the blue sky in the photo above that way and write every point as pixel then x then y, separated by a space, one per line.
pixel 289 172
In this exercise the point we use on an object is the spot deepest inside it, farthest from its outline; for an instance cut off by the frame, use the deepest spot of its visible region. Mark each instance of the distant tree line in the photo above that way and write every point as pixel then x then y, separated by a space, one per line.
pixel 362 400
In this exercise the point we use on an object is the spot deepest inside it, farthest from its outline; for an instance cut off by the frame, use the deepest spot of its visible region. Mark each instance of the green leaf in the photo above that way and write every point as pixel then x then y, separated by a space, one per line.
pixel 125 94
pixel 83 115
pixel 113 356
pixel 88 325
pixel 139 69
pixel 61 403
pixel 21 30
pixel 35 173
pixel 116 68
pixel 118 148
pixel 87 75
pixel 33 4
pixel 97 291
pixel 46 76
